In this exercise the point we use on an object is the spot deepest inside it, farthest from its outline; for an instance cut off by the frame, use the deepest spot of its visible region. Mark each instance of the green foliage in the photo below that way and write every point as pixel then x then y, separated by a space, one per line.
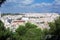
pixel 4 33
pixel 55 27
pixel 29 32
pixel 30 25
pixel 21 30
pixel 46 31
pixel 2 1
pixel 33 34
pixel 57 23
pixel 1 26
pixel 15 36
pixel 54 30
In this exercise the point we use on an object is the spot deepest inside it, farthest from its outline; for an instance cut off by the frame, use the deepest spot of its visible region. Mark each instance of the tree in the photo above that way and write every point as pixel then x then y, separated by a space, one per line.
pixel 54 30
pixel 4 33
pixel 28 31
pixel 2 26
pixel 34 34
pixel 30 25
pixel 2 1
pixel 21 30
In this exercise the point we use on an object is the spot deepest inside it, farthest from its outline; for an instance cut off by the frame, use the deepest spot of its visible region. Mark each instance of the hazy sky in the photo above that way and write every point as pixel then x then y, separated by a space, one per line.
pixel 35 6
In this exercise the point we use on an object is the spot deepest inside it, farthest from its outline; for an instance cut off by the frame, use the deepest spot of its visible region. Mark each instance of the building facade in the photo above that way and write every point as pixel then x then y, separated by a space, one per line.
pixel 40 19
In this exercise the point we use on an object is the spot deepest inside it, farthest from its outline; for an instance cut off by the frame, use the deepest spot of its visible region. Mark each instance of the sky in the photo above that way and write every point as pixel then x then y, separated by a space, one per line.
pixel 31 6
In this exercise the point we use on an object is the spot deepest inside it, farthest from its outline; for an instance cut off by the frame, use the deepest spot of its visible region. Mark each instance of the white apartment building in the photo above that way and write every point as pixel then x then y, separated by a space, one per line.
pixel 40 19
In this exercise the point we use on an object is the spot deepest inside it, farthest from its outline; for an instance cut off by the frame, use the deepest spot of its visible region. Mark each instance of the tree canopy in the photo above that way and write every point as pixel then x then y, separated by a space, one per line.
pixel 4 33
pixel 2 1
pixel 54 30
pixel 28 31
